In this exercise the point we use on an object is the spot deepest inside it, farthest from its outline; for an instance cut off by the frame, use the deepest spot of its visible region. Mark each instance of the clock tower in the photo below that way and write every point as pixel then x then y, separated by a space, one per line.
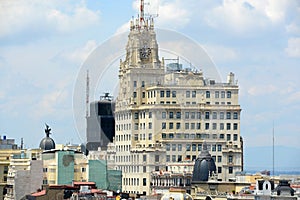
pixel 142 65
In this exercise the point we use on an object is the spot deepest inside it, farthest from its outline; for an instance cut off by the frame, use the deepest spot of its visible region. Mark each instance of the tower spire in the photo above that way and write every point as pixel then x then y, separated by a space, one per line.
pixel 142 14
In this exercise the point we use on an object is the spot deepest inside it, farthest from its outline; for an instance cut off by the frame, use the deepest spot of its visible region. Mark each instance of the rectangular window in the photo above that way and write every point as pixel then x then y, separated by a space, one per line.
pixel 206 126
pixel 206 115
pixel 219 147
pixel 194 147
pixel 219 159
pixel 144 158
pixel 171 135
pixel 186 136
pixel 222 136
pixel 221 115
pixel 214 126
pixel 136 137
pixel 179 147
pixel 143 95
pixel 192 115
pixel 235 137
pixel 173 93
pixel 150 136
pixel 171 125
pixel 150 125
pixel 217 94
pixel 235 115
pixel 136 126
pixel 144 182
pixel 188 147
pixel 188 93
pixel 228 115
pixel 228 94
pixel 228 137
pixel 136 115
pixel 156 158
pixel 173 147
pixel 167 147
pixel 221 126
pixel 150 115
pixel 177 125
pixel 134 94
pixel 230 158
pixel 178 115
pixel 144 169
pixel 163 135
pixel 179 159
pixel 192 125
pixel 235 126
pixel 168 93
pixel 230 170
pixel 223 94
pixel 198 115
pixel 173 158
pixel 134 84
pixel 193 94
pixel 228 126
pixel 199 147
pixel 219 170
pixel 214 115
pixel 187 126
pixel 168 158
pixel 198 126
pixel 171 115
pixel 163 115
pixel 213 147
pixel 163 125
pixel 187 115
pixel 207 93
pixel 162 93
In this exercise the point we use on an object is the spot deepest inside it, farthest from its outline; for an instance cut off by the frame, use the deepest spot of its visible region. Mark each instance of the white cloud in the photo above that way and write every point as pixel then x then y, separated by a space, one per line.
pixel 294 97
pixel 251 15
pixel 173 15
pixel 236 16
pixel 258 90
pixel 220 53
pixel 293 28
pixel 36 16
pixel 293 48
pixel 79 54
pixel 81 17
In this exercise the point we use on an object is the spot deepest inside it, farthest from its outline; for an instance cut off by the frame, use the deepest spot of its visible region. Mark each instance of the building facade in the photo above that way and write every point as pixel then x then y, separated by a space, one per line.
pixel 24 175
pixel 164 116
pixel 100 124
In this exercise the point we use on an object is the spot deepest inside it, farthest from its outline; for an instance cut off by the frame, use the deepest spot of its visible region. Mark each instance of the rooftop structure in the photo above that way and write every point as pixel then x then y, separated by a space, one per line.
pixel 47 143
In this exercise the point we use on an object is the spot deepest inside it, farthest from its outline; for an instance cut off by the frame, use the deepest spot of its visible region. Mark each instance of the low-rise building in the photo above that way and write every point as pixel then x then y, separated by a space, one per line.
pixel 24 175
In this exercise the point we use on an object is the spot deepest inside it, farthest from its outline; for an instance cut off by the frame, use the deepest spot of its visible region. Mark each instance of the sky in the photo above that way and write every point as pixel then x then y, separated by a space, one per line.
pixel 44 44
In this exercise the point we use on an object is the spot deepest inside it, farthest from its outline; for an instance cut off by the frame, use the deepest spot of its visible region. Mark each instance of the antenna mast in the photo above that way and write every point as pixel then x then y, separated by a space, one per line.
pixel 87 100
pixel 142 7
pixel 273 152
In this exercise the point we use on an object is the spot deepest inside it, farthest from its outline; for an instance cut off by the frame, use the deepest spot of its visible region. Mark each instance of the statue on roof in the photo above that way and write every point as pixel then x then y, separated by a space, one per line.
pixel 47 130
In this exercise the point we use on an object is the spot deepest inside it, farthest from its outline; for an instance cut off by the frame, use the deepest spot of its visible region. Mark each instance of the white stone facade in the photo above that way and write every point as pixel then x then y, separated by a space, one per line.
pixel 164 117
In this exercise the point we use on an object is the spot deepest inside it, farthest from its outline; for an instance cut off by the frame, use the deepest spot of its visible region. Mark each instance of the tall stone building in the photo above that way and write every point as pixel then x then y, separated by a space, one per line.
pixel 164 116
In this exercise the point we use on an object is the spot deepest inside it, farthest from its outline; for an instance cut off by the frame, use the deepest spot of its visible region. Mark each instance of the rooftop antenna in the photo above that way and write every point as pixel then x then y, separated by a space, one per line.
pixel 273 152
pixel 22 143
pixel 87 100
